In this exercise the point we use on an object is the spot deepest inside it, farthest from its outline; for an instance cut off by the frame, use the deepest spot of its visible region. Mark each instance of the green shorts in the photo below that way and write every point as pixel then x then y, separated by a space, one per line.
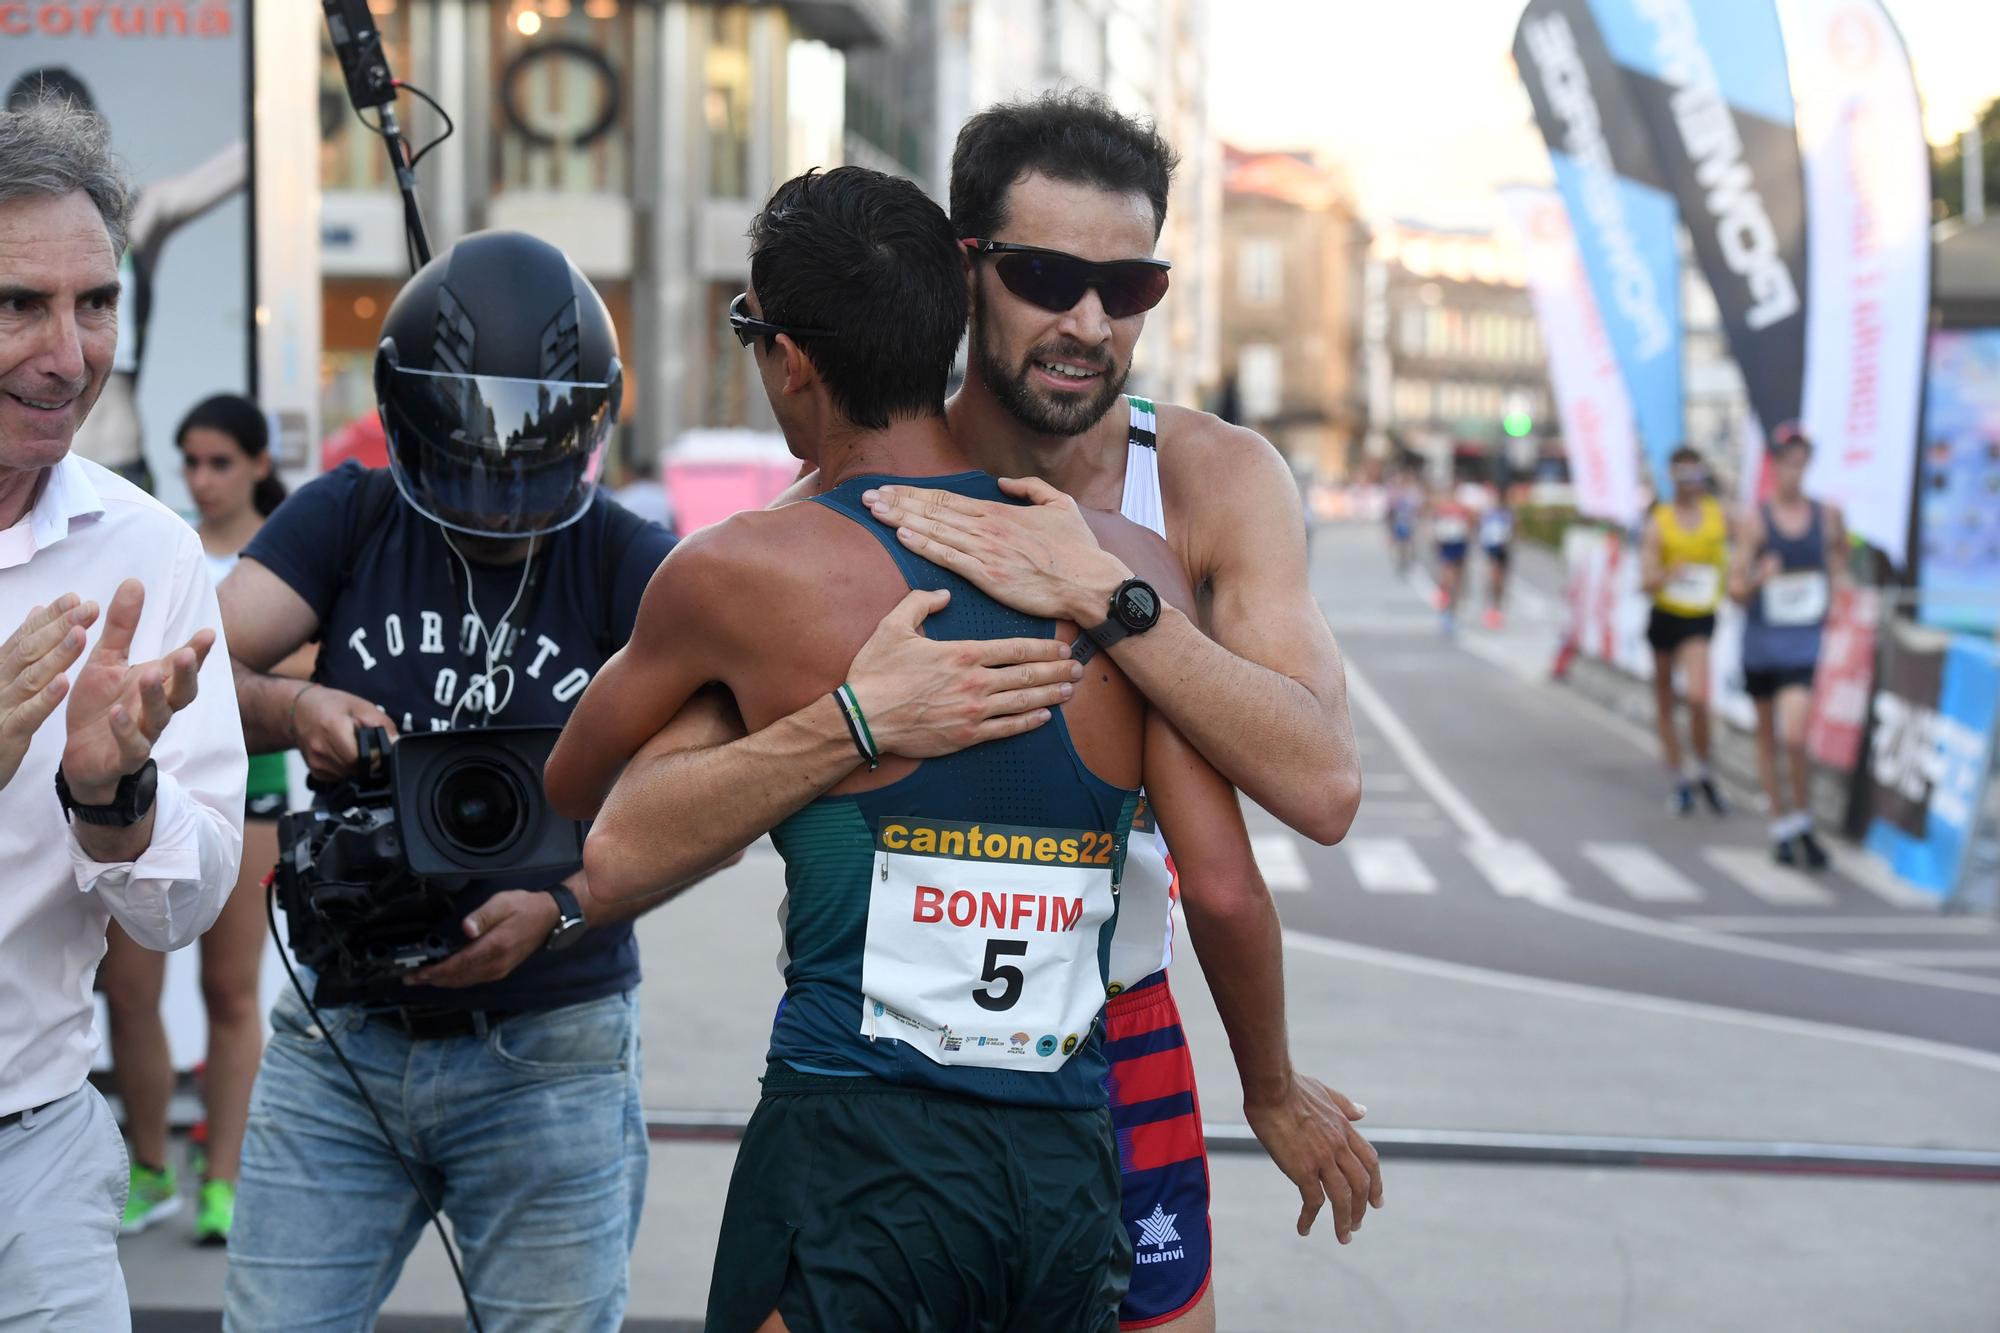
pixel 861 1205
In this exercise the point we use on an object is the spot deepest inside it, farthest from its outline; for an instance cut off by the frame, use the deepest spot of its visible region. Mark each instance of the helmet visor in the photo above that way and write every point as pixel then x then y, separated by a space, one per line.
pixel 492 456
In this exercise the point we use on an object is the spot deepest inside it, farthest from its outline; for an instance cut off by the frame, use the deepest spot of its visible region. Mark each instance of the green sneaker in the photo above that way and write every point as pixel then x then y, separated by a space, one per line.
pixel 214 1212
pixel 153 1195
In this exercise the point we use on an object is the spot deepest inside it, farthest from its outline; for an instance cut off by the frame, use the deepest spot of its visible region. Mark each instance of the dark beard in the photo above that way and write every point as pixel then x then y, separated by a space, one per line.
pixel 1041 414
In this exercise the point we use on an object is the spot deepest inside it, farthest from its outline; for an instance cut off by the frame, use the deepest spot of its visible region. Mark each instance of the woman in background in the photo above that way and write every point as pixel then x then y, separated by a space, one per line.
pixel 225 456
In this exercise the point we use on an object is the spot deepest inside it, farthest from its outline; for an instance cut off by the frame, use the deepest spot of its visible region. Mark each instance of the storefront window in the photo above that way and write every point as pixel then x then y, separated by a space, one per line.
pixel 562 82
pixel 726 103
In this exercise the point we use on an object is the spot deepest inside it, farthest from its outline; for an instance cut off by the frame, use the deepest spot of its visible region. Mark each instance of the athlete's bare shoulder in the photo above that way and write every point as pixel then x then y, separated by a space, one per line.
pixel 1217 481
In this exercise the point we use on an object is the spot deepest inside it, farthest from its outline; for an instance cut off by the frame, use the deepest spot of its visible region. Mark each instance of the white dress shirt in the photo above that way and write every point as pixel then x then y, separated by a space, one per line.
pixel 88 532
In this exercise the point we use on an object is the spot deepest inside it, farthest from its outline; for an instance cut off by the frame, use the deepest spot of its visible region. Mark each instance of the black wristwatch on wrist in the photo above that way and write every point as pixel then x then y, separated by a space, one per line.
pixel 570 924
pixel 132 802
pixel 1135 608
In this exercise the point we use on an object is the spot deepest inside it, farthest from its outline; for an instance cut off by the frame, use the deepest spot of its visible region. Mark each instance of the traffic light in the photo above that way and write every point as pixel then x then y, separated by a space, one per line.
pixel 1517 425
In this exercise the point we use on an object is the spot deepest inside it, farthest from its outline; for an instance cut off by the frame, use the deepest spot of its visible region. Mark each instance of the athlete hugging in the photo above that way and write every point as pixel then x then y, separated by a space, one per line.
pixel 957 675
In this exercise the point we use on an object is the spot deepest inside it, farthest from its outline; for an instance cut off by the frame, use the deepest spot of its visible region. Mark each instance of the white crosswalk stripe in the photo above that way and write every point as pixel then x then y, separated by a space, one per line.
pixel 1278 858
pixel 1388 865
pixel 1753 869
pixel 1641 872
pixel 1514 869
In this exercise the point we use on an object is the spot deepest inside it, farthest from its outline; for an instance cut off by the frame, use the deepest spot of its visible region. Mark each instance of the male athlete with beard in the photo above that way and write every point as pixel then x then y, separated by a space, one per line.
pixel 1059 202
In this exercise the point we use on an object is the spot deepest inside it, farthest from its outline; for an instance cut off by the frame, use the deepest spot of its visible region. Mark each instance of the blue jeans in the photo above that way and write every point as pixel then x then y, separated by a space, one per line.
pixel 530 1139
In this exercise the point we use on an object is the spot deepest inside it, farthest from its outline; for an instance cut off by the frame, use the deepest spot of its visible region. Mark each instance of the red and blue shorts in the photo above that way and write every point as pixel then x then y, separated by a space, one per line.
pixel 1161 1156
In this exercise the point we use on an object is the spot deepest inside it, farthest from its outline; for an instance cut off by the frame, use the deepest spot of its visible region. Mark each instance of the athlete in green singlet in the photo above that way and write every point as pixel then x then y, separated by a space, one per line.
pixel 948 920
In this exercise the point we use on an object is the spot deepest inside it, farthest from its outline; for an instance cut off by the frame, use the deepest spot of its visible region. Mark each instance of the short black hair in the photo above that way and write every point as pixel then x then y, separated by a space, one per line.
pixel 1074 135
pixel 1686 454
pixel 49 82
pixel 873 259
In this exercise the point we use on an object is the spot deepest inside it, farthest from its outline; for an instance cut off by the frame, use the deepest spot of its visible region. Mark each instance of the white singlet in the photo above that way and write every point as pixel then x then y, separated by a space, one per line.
pixel 1142 941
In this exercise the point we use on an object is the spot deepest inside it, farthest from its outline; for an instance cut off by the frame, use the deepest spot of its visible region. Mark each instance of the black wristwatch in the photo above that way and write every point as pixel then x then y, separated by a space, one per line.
pixel 132 802
pixel 1135 608
pixel 570 924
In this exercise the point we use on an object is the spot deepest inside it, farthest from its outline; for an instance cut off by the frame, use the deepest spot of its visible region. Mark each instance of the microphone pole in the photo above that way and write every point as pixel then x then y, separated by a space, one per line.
pixel 358 44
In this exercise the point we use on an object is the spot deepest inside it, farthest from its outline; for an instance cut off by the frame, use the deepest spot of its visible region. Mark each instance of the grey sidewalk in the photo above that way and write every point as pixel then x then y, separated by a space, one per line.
pixel 1458 1247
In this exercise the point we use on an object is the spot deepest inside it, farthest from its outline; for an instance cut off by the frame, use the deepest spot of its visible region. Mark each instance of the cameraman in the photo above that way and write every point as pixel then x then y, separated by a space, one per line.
pixel 483 586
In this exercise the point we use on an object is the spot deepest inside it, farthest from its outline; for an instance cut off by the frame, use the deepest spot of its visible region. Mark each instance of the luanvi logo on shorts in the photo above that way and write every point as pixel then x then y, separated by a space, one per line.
pixel 1157 1230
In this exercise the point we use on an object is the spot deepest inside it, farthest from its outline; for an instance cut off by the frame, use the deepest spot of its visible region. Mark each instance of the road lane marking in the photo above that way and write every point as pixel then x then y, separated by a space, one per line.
pixel 1417 760
pixel 1932 957
pixel 1985 1061
pixel 1848 925
pixel 1516 870
pixel 1619 919
pixel 1388 865
pixel 1420 765
pixel 1753 868
pixel 1278 858
pixel 1641 872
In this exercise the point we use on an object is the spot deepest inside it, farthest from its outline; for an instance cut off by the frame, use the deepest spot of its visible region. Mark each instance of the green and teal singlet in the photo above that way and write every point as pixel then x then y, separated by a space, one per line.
pixel 951 930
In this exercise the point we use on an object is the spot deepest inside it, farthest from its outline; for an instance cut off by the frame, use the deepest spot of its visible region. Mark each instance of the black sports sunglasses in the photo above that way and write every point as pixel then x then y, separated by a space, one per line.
pixel 748 328
pixel 1056 281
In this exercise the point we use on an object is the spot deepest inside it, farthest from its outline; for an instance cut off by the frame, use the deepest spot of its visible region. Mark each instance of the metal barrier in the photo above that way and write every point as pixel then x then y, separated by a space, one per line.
pixel 1518 1149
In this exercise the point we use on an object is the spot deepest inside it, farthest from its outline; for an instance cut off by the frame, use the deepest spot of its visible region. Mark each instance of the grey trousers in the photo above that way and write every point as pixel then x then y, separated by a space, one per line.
pixel 63 1177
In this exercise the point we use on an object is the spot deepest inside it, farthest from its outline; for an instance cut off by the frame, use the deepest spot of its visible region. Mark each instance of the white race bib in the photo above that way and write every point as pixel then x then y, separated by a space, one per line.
pixel 1448 529
pixel 1798 598
pixel 1695 585
pixel 982 943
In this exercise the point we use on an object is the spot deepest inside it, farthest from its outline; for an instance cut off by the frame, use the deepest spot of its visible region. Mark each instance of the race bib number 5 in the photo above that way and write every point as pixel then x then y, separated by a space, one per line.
pixel 983 940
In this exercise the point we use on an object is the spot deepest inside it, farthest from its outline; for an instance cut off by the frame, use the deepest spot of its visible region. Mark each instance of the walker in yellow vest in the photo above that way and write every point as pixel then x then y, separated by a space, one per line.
pixel 1698 561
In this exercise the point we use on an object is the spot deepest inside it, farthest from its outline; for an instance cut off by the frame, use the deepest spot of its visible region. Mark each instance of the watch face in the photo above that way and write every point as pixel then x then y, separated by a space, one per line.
pixel 1138 606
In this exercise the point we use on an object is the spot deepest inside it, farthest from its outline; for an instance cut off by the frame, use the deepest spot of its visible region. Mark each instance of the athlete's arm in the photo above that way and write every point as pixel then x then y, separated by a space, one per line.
pixel 165 206
pixel 1652 569
pixel 1233 924
pixel 1836 545
pixel 1267 704
pixel 1744 578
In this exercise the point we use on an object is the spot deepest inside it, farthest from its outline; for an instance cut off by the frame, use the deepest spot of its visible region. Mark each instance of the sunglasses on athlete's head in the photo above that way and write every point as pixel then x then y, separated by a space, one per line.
pixel 1056 281
pixel 1690 475
pixel 748 328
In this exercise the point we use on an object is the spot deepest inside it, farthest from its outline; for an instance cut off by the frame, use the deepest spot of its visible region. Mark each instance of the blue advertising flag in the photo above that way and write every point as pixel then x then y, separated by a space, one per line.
pixel 1709 82
pixel 1621 208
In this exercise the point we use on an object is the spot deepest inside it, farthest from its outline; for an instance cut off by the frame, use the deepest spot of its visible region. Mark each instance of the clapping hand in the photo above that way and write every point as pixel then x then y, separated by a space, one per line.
pixel 33 663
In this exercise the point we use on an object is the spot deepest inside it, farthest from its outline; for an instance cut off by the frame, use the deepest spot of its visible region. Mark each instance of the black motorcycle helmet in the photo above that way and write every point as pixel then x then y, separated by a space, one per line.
pixel 498 380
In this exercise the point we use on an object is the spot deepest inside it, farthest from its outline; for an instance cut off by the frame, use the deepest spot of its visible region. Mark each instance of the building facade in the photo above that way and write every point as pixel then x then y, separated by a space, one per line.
pixel 1290 281
pixel 1452 356
pixel 638 135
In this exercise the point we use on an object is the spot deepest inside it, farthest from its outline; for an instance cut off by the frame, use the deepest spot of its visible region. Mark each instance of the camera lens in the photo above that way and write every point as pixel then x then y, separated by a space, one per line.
pixel 478 807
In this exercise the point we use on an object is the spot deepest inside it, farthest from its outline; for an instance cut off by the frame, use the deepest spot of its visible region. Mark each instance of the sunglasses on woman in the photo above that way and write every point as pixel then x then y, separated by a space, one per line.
pixel 1056 281
pixel 748 328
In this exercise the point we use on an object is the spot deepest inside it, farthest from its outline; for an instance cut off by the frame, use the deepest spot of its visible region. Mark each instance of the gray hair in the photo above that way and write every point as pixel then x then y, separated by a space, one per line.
pixel 51 147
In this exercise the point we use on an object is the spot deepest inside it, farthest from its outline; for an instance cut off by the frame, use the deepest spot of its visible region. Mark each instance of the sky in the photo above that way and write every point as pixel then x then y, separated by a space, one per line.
pixel 1418 103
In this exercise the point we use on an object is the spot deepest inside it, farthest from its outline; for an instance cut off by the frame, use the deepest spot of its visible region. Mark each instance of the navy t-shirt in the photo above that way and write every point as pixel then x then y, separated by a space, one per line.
pixel 397 632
